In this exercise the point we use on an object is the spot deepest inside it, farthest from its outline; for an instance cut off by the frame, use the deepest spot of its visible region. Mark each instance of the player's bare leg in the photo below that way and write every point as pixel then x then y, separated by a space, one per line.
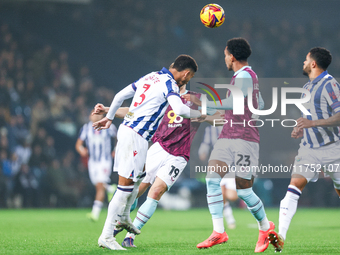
pixel 142 188
pixel 147 209
pixel 228 196
pixel 255 206
pixel 217 169
pixel 98 202
pixel 288 208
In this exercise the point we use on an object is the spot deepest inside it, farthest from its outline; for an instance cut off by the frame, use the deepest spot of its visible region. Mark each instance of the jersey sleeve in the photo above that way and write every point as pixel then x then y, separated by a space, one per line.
pixel 82 133
pixel 332 95
pixel 134 84
pixel 244 81
pixel 117 101
pixel 171 89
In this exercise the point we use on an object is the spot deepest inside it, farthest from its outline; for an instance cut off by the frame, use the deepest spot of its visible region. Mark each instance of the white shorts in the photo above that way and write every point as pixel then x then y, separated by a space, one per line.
pixel 130 154
pixel 228 181
pixel 99 172
pixel 165 166
pixel 241 156
pixel 311 161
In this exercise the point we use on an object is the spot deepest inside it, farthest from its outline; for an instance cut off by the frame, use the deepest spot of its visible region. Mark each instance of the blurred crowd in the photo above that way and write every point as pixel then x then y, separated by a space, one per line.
pixel 42 100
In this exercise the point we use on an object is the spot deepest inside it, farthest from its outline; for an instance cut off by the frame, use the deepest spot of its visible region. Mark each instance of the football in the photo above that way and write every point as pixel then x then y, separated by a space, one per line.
pixel 212 15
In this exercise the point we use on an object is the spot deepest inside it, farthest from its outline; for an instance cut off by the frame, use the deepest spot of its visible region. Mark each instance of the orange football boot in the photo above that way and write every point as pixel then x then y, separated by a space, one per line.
pixel 214 238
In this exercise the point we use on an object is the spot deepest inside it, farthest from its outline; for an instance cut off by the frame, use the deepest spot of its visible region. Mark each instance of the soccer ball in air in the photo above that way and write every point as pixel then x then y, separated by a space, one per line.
pixel 212 15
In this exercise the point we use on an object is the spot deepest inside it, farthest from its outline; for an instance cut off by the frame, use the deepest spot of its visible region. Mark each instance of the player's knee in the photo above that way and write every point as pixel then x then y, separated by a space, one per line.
pixel 157 192
pixel 298 181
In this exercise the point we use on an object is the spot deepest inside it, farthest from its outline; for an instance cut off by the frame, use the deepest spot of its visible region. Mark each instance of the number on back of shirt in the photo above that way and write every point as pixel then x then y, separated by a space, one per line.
pixel 146 87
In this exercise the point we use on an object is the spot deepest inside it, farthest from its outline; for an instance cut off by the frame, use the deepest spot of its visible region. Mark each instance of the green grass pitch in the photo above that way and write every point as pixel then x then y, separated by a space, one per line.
pixel 67 231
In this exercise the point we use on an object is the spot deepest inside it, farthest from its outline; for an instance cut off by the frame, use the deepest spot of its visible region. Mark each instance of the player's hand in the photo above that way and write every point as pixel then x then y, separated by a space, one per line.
pixel 104 123
pixel 304 123
pixel 99 109
pixel 202 118
pixel 210 118
pixel 297 133
pixel 192 98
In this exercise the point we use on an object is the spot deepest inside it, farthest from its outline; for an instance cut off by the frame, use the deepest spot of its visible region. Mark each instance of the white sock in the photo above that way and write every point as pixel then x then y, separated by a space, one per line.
pixel 288 207
pixel 96 208
pixel 116 209
pixel 263 224
pixel 218 225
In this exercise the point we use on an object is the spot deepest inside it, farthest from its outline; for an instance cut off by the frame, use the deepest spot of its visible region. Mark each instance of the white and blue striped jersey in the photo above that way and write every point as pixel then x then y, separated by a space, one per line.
pixel 150 102
pixel 98 143
pixel 324 103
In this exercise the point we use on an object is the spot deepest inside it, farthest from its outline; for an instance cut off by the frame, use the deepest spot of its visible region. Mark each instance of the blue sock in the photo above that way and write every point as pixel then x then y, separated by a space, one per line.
pixel 134 205
pixel 214 195
pixel 145 212
pixel 253 202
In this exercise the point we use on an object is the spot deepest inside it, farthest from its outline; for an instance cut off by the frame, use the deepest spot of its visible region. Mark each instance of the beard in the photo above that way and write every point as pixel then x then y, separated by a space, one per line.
pixel 306 71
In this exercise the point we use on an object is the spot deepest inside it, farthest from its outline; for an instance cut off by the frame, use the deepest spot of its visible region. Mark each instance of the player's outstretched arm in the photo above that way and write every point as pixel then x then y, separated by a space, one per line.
pixel 217 119
pixel 101 109
pixel 181 109
pixel 117 101
pixel 333 121
pixel 192 98
pixel 121 112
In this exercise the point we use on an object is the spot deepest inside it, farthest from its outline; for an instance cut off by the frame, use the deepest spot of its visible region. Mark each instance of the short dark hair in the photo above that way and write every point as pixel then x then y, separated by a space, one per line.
pixel 183 62
pixel 322 57
pixel 239 48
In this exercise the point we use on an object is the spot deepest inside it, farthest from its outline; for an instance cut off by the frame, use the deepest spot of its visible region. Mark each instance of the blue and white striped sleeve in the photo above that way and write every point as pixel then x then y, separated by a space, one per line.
pixel 332 95
pixel 171 89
